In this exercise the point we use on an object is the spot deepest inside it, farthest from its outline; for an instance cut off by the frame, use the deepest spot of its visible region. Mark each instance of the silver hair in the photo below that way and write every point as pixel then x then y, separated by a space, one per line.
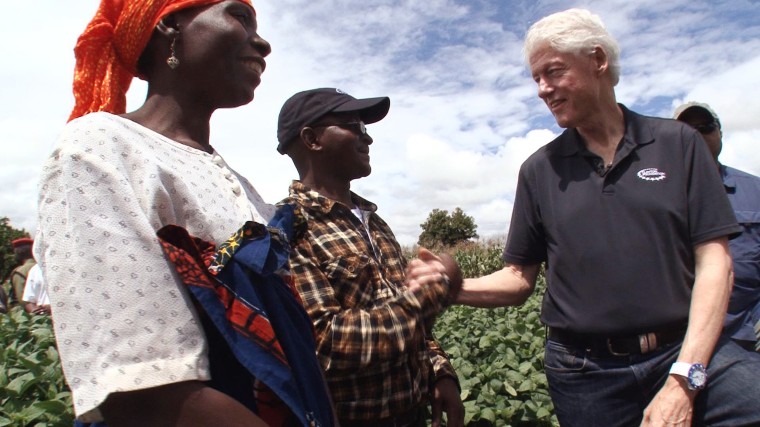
pixel 575 31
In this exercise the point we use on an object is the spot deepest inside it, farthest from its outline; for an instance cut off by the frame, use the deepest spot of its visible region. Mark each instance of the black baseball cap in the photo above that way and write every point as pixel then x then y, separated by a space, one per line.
pixel 305 108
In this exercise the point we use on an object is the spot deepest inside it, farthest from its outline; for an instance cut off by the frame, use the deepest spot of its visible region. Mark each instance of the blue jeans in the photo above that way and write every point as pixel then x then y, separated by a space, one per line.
pixel 614 391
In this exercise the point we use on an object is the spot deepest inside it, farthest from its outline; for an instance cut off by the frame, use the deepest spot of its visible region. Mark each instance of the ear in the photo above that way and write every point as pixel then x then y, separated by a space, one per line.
pixel 600 59
pixel 310 139
pixel 168 26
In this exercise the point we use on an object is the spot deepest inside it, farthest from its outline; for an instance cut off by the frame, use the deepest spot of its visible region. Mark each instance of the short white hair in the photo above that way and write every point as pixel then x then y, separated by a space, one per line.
pixel 576 31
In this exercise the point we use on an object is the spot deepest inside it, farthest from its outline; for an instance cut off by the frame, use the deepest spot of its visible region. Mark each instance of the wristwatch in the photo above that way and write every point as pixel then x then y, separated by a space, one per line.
pixel 695 373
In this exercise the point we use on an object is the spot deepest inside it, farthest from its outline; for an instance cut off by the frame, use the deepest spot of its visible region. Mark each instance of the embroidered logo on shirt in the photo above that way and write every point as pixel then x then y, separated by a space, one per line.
pixel 651 174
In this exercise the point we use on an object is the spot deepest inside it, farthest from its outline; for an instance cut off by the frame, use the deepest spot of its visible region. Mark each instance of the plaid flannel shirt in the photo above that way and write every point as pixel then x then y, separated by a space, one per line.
pixel 372 333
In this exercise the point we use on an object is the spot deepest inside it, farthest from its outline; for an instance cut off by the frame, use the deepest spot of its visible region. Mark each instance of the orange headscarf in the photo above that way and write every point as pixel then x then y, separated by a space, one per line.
pixel 108 49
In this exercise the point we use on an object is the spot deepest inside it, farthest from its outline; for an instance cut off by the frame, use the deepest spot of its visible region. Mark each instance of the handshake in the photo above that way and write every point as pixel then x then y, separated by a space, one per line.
pixel 434 270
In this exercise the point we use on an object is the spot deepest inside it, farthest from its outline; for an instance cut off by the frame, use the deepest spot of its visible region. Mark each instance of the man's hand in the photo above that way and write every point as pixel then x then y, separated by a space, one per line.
pixel 672 406
pixel 446 399
pixel 424 271
pixel 430 268
pixel 33 308
pixel 455 275
pixel 42 309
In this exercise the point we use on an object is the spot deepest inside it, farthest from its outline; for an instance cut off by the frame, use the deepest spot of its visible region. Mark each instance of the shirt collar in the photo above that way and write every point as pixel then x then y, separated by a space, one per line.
pixel 637 132
pixel 728 179
pixel 312 199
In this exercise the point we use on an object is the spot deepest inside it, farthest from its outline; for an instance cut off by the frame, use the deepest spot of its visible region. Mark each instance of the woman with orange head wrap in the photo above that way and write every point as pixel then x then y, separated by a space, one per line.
pixel 108 50
pixel 132 344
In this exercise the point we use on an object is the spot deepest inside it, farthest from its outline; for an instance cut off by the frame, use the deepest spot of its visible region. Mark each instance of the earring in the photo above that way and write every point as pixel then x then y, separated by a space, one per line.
pixel 172 61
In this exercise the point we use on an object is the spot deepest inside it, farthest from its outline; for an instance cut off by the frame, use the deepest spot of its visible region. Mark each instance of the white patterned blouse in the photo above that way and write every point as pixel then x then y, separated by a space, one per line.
pixel 122 319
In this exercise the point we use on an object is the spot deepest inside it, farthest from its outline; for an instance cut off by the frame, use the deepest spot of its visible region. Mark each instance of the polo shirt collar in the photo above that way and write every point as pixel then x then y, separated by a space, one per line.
pixel 728 179
pixel 637 132
pixel 311 199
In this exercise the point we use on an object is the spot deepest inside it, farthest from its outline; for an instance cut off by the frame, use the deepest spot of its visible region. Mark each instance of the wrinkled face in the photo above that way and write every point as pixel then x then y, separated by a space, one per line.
pixel 568 83
pixel 707 127
pixel 345 148
pixel 221 53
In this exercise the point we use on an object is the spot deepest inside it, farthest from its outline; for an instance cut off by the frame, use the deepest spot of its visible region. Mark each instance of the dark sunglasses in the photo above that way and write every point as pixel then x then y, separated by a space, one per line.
pixel 356 127
pixel 706 128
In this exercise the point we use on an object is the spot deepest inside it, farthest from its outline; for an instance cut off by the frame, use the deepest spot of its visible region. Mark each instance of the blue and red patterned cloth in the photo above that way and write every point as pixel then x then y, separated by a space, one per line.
pixel 244 293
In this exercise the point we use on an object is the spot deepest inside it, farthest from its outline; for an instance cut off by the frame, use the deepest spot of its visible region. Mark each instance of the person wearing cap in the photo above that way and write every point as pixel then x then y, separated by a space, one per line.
pixel 628 213
pixel 743 191
pixel 22 253
pixel 373 325
pixel 136 347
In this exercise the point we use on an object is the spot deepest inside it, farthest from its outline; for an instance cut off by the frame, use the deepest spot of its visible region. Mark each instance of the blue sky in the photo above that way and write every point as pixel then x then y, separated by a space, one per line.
pixel 464 112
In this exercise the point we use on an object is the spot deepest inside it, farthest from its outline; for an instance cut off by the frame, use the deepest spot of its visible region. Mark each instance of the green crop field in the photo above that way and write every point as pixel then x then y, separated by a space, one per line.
pixel 497 353
pixel 32 390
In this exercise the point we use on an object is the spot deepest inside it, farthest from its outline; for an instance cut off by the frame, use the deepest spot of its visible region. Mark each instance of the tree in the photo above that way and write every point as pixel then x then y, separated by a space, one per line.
pixel 444 229
pixel 7 235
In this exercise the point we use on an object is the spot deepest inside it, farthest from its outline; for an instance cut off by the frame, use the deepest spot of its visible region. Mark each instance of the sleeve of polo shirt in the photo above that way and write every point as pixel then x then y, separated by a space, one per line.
pixel 526 242
pixel 351 339
pixel 710 213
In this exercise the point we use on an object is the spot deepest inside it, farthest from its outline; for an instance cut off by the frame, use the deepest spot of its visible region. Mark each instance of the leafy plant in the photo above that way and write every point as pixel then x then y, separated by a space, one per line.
pixel 7 260
pixel 498 353
pixel 32 388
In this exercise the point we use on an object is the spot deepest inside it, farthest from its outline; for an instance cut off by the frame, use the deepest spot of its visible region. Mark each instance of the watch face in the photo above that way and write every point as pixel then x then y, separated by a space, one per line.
pixel 697 376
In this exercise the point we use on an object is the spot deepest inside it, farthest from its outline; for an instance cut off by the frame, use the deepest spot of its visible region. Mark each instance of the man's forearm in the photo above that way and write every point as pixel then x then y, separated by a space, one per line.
pixel 510 286
pixel 709 301
pixel 354 339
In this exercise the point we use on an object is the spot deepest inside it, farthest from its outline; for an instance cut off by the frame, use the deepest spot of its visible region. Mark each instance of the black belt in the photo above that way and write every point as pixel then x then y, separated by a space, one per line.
pixel 620 345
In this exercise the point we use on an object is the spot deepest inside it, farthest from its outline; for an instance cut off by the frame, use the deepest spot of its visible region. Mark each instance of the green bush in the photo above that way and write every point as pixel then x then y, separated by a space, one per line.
pixel 32 389
pixel 498 353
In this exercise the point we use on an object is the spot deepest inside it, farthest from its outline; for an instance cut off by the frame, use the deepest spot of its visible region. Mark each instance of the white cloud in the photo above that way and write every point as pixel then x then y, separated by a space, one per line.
pixel 464 114
pixel 436 173
pixel 733 95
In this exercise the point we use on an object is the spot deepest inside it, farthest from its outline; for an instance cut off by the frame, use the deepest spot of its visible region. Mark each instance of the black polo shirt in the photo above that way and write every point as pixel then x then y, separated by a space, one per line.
pixel 618 243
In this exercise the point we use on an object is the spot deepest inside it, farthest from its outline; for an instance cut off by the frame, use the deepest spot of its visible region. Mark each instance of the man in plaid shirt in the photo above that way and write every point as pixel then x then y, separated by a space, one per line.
pixel 373 322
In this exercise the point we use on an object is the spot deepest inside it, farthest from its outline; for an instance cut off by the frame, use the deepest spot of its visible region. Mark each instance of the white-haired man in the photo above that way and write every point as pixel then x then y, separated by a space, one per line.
pixel 633 226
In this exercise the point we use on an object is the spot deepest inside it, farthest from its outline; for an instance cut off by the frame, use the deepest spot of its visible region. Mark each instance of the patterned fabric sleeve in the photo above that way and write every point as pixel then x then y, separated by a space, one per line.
pixel 350 339
pixel 440 360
